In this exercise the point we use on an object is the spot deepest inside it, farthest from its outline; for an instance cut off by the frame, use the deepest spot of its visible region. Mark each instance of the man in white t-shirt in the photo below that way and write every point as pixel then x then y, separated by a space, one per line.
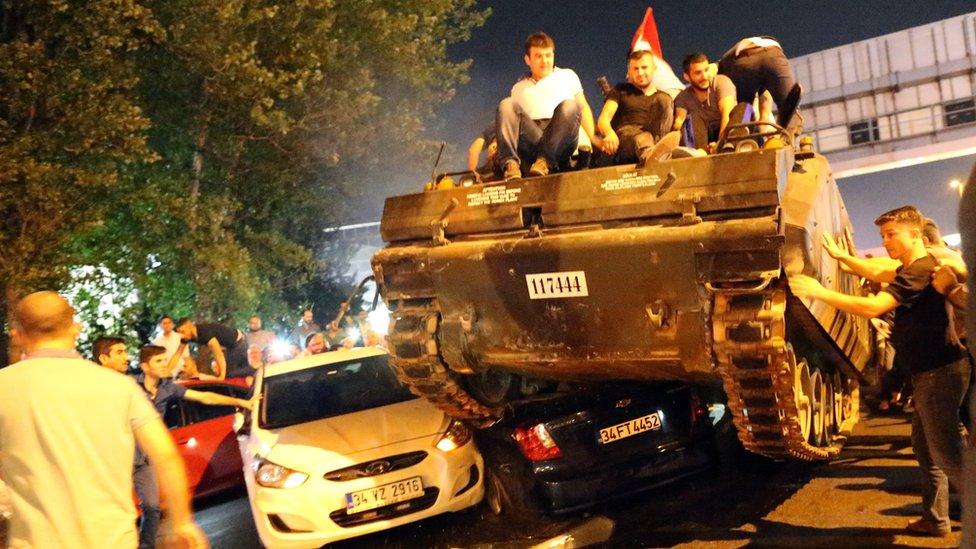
pixel 540 122
pixel 169 339
pixel 68 430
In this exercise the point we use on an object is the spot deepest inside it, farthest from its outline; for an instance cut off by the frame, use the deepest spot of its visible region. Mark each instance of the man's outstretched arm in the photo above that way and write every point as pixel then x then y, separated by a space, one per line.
pixel 871 306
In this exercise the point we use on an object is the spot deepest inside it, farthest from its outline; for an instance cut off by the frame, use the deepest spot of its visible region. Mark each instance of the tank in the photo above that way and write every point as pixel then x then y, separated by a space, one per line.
pixel 675 271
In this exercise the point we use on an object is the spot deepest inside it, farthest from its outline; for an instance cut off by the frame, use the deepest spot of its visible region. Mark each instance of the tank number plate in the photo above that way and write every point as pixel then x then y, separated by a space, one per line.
pixel 557 285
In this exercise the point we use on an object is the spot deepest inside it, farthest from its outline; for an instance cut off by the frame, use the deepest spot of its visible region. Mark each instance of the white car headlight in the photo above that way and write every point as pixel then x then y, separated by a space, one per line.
pixel 272 475
pixel 456 435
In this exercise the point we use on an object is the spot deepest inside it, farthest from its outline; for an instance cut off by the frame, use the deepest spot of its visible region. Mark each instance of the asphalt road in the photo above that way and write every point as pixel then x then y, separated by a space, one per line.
pixel 865 498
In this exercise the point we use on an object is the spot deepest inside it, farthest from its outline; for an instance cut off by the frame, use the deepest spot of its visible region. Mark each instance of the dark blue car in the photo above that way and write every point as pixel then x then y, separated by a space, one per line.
pixel 569 450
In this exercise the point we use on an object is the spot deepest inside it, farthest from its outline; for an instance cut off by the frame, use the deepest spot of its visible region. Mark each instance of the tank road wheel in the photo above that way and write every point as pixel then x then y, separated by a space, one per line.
pixel 803 397
pixel 493 388
pixel 852 403
pixel 820 409
pixel 837 392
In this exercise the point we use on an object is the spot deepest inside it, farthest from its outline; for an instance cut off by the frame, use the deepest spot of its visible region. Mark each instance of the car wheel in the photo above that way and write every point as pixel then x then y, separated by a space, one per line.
pixel 493 388
pixel 508 491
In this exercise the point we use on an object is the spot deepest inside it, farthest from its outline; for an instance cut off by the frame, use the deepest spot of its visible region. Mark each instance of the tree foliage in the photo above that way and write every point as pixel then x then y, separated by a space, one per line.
pixel 199 147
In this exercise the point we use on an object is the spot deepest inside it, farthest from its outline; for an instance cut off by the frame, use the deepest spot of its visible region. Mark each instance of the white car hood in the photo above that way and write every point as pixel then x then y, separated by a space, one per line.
pixel 332 439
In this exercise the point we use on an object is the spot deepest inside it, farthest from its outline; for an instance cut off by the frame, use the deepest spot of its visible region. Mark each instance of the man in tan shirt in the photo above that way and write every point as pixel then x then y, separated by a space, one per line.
pixel 68 430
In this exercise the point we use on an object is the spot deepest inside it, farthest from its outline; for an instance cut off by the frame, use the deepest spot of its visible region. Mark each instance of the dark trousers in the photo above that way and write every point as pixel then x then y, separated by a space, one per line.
pixel 758 70
pixel 522 139
pixel 237 364
pixel 938 436
pixel 144 481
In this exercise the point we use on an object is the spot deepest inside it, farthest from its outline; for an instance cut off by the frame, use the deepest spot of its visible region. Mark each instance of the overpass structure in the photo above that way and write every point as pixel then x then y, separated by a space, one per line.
pixel 892 101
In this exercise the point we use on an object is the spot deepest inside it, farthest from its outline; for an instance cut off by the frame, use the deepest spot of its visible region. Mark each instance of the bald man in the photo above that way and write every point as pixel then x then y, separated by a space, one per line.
pixel 68 430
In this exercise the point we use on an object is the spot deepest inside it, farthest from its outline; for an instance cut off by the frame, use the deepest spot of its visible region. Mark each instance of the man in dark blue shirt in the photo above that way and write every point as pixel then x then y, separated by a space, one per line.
pixel 162 391
pixel 926 343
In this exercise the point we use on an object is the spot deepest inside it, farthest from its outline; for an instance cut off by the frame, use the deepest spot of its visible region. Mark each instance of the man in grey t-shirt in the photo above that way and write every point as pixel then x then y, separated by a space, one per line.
pixel 701 111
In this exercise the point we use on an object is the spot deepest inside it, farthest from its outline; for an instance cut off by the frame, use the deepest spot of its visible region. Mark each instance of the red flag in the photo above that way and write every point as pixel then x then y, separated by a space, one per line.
pixel 646 36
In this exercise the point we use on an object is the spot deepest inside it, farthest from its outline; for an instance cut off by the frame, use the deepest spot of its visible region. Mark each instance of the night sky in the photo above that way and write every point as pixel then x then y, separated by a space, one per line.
pixel 592 37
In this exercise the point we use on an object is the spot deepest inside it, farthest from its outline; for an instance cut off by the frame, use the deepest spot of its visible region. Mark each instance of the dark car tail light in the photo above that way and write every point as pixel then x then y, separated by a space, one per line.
pixel 698 409
pixel 536 443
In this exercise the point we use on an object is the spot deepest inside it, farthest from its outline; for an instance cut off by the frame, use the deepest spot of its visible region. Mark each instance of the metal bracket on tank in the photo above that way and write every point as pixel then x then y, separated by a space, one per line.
pixel 438 225
pixel 689 213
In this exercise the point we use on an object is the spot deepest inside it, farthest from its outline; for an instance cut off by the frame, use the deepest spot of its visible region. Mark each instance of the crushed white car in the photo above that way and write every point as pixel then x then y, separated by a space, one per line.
pixel 338 448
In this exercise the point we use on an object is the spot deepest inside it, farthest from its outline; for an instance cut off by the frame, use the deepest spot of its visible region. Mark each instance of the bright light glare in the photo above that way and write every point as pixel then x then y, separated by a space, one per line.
pixel 280 348
pixel 955 184
pixel 353 333
pixel 953 239
pixel 446 445
pixel 379 319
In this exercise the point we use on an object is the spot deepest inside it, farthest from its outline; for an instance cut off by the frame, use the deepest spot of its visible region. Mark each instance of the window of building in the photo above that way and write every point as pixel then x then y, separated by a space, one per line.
pixel 960 112
pixel 864 132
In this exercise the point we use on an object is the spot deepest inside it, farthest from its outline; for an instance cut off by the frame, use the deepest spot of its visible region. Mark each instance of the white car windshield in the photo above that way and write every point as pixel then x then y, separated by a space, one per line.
pixel 329 390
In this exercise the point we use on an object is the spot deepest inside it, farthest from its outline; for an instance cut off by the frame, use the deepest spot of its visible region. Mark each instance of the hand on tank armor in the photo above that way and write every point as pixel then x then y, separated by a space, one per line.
pixel 835 249
pixel 805 286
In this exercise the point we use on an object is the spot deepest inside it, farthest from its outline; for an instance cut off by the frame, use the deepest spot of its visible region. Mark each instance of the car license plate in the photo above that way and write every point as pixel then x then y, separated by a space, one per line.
pixel 386 494
pixel 650 422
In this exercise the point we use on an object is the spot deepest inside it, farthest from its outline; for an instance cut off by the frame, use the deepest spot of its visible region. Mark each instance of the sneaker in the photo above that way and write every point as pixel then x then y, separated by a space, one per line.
pixel 926 528
pixel 540 167
pixel 512 170
pixel 661 150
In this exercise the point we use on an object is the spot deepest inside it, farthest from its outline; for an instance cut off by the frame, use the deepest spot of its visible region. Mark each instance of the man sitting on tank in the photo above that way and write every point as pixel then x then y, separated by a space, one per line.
pixel 540 122
pixel 635 116
pixel 702 110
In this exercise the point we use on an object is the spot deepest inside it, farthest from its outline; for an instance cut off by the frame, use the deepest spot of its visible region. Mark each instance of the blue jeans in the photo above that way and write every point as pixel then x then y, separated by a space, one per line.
pixel 938 436
pixel 144 481
pixel 522 139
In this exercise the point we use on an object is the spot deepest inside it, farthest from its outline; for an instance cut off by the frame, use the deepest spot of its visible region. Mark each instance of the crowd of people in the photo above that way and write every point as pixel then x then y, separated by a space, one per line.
pixel 70 480
pixel 547 125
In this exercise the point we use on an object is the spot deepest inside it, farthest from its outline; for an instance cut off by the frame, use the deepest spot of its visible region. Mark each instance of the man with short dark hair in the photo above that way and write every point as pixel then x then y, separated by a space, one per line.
pixel 635 114
pixel 305 327
pixel 110 352
pixel 540 121
pixel 217 337
pixel 156 380
pixel 705 106
pixel 925 343
pixel 68 431
pixel 257 336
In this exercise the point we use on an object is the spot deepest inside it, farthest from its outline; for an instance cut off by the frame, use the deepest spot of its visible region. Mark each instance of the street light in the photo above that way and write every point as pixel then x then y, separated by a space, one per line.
pixel 957 185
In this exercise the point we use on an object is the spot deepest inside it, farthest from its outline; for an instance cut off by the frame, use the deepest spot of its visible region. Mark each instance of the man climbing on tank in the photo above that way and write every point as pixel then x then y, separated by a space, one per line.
pixel 702 110
pixel 540 121
pixel 925 341
pixel 756 65
pixel 636 116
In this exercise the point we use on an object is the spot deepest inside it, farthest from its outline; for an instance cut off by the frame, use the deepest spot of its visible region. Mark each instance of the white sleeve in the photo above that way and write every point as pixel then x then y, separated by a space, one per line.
pixel 573 81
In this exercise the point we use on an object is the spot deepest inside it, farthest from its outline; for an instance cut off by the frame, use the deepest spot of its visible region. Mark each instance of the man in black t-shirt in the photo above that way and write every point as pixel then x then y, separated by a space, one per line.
pixel 925 343
pixel 217 337
pixel 635 115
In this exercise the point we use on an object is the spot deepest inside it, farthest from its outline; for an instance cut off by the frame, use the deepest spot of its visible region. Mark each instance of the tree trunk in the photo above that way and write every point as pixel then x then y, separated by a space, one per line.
pixel 194 225
pixel 9 352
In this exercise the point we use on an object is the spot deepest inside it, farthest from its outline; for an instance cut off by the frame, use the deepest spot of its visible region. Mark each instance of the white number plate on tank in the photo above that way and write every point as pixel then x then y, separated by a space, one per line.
pixel 650 422
pixel 557 285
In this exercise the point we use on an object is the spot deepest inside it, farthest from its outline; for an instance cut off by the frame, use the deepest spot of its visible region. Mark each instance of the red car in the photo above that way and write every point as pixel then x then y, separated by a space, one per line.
pixel 205 437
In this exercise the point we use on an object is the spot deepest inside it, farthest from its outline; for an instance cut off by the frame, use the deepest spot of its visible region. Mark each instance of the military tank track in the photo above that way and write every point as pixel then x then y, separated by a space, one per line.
pixel 416 361
pixel 778 407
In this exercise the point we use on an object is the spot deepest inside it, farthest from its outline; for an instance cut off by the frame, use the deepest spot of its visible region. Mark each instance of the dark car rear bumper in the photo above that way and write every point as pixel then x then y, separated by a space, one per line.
pixel 565 495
